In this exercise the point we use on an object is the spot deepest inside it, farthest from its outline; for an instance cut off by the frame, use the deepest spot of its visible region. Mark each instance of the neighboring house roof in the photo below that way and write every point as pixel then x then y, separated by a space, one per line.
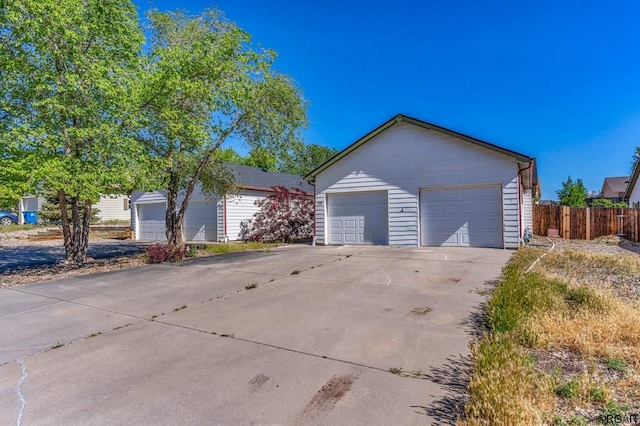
pixel 616 184
pixel 633 179
pixel 429 126
pixel 255 178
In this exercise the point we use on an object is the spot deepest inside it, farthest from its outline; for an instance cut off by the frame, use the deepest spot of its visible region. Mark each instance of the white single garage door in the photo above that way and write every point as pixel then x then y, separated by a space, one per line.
pixel 461 216
pixel 358 218
pixel 151 221
pixel 200 221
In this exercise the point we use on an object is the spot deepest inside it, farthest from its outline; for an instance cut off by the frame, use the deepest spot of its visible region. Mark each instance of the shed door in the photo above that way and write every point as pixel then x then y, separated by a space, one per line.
pixel 358 218
pixel 461 216
pixel 151 219
pixel 200 221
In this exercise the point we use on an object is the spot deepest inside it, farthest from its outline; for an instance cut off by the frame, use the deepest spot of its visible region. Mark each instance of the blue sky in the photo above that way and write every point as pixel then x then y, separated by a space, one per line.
pixel 558 80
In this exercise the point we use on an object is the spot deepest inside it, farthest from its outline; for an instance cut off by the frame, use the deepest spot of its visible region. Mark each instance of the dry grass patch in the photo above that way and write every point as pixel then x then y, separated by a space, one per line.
pixel 608 328
pixel 619 272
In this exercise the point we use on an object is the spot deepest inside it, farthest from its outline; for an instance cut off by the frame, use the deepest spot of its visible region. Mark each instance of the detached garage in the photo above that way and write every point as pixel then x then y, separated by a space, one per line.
pixel 411 183
pixel 218 218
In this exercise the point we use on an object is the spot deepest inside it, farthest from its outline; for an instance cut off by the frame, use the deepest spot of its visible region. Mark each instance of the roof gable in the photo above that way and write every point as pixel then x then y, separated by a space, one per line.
pixel 615 184
pixel 633 179
pixel 429 126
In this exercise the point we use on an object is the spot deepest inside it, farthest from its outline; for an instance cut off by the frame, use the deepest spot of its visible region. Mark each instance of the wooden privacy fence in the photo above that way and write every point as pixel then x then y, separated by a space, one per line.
pixel 587 223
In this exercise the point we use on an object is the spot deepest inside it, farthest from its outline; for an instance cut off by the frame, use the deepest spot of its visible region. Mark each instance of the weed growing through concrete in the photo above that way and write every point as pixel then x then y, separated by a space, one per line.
pixel 180 308
pixel 251 286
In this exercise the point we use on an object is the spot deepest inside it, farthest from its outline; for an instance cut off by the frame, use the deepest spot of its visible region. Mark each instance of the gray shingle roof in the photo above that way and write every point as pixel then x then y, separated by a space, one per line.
pixel 256 177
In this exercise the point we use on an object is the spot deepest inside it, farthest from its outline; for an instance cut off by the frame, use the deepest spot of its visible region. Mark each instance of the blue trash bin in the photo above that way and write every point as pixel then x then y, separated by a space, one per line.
pixel 30 217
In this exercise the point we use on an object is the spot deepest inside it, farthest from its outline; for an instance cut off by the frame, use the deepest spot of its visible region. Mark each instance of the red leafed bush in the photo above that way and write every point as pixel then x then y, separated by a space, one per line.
pixel 165 253
pixel 286 215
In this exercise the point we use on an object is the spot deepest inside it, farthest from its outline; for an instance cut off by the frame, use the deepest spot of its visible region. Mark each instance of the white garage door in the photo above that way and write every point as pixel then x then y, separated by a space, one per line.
pixel 151 221
pixel 469 216
pixel 200 221
pixel 359 218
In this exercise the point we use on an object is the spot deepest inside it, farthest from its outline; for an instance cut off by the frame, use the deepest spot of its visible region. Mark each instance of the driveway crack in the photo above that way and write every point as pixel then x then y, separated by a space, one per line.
pixel 20 392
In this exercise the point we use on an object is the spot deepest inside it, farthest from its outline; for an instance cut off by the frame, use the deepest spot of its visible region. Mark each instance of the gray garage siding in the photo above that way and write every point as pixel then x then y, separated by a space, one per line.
pixel 406 157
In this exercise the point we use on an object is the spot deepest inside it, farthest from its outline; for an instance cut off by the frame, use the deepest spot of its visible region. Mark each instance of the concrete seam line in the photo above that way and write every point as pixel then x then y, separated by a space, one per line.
pixel 282 348
pixel 535 262
pixel 209 332
pixel 21 397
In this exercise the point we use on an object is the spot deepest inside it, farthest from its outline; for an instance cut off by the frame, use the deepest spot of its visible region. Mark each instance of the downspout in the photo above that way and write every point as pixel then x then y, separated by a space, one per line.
pixel 520 196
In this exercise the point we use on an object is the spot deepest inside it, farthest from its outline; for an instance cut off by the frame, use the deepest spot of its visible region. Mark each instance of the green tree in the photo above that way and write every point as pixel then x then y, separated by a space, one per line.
pixel 573 194
pixel 306 157
pixel 635 158
pixel 50 210
pixel 607 203
pixel 203 83
pixel 227 155
pixel 65 73
pixel 261 157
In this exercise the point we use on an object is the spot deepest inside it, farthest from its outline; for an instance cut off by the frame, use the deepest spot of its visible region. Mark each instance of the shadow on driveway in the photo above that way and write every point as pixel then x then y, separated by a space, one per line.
pixel 23 257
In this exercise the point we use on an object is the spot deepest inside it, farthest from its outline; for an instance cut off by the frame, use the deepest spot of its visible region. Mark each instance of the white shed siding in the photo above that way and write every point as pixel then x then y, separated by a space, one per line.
pixel 113 208
pixel 405 158
pixel 148 197
pixel 634 197
pixel 527 210
pixel 320 215
pixel 240 207
pixel 220 214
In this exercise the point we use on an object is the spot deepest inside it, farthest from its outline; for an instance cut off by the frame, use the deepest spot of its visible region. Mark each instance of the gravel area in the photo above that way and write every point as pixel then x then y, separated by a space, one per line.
pixel 611 244
pixel 37 260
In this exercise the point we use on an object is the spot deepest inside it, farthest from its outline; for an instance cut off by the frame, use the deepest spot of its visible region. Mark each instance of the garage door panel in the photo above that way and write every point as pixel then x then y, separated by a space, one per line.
pixel 358 218
pixel 462 216
pixel 200 222
pixel 151 221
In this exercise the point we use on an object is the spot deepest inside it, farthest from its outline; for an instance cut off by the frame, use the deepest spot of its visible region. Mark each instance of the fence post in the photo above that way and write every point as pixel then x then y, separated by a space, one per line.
pixel 565 211
pixel 588 219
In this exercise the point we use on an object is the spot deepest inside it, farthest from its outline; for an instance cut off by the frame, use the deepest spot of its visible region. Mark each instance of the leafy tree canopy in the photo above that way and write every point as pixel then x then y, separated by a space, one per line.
pixel 605 202
pixel 202 83
pixel 66 73
pixel 573 194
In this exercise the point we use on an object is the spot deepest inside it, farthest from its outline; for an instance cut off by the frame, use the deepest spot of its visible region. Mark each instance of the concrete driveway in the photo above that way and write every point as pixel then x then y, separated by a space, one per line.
pixel 193 343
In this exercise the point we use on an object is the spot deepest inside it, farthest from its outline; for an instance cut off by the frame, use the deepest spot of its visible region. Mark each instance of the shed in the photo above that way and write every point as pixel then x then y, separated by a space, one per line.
pixel 412 183
pixel 216 218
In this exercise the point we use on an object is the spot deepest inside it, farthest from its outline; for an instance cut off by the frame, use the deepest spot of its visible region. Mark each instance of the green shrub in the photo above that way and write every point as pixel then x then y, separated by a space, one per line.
pixel 568 390
pixel 617 364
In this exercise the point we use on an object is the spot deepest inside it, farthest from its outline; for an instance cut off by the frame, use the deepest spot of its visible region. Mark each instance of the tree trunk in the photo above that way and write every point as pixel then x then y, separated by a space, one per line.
pixel 173 224
pixel 76 230
pixel 66 231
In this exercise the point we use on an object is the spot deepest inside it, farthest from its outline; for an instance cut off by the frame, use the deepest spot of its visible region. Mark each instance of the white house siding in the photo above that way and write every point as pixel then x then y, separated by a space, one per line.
pixel 240 207
pixel 634 197
pixel 113 208
pixel 404 158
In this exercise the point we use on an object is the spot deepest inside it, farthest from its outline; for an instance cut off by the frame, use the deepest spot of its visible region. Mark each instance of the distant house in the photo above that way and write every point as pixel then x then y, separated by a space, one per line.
pixel 218 218
pixel 112 207
pixel 632 194
pixel 614 188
